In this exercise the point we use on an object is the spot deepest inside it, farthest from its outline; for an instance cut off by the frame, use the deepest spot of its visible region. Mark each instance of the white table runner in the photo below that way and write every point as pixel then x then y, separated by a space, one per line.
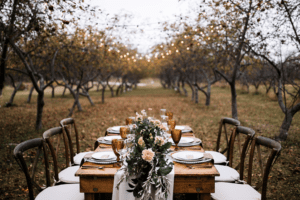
pixel 122 193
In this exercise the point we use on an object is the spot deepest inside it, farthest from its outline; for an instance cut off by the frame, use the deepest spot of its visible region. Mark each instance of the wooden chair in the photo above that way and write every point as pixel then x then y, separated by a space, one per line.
pixel 218 155
pixel 227 173
pixel 24 152
pixel 70 127
pixel 246 191
pixel 53 138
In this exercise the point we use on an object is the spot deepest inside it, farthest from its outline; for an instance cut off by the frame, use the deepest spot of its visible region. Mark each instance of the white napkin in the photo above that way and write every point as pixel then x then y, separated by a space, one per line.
pixel 122 193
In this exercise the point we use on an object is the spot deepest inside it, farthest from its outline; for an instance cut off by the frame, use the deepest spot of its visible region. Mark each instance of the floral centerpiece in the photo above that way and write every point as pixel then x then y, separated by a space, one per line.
pixel 146 164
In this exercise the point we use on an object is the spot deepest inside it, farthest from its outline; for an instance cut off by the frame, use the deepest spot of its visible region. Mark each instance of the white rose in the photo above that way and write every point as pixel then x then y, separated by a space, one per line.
pixel 159 140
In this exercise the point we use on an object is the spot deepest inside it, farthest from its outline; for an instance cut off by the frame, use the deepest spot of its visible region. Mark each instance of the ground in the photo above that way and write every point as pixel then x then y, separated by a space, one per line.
pixel 256 110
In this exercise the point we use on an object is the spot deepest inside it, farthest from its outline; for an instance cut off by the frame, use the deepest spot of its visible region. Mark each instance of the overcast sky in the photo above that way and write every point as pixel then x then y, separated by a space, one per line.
pixel 148 15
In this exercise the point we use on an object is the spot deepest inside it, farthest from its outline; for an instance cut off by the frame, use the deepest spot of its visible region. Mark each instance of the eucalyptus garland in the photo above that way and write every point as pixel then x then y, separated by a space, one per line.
pixel 146 161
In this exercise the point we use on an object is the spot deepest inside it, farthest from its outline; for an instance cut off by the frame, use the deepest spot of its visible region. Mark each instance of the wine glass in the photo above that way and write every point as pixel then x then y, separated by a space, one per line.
pixel 129 121
pixel 117 145
pixel 171 124
pixel 162 112
pixel 170 115
pixel 176 136
pixel 124 131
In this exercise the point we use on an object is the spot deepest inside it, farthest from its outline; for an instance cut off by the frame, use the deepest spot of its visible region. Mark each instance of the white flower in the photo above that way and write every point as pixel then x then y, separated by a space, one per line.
pixel 138 117
pixel 159 140
pixel 162 127
pixel 144 113
pixel 134 126
pixel 157 122
pixel 148 155
pixel 141 141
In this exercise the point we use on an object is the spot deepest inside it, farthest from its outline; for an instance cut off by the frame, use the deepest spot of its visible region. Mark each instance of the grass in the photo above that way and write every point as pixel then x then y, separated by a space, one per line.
pixel 257 111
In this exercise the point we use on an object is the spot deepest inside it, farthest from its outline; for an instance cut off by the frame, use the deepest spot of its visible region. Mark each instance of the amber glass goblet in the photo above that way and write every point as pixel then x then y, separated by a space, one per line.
pixel 171 124
pixel 124 131
pixel 170 115
pixel 128 121
pixel 117 145
pixel 176 136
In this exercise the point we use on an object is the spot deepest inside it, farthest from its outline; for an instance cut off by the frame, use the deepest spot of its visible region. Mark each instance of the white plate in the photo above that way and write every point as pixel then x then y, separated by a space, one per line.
pixel 114 129
pixel 187 155
pixel 184 140
pixel 105 155
pixel 184 129
pixel 110 138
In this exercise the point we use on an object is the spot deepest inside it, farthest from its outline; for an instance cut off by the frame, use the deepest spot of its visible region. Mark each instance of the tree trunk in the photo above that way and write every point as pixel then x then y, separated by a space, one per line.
pixel 103 92
pixel 8 104
pixel 30 94
pixel 53 91
pixel 40 106
pixel 63 94
pixel 111 92
pixel 193 91
pixel 3 66
pixel 196 94
pixel 233 101
pixel 207 102
pixel 184 90
pixel 90 99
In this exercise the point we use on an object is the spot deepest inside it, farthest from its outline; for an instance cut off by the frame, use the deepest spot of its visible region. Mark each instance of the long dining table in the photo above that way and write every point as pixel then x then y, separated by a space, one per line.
pixel 188 179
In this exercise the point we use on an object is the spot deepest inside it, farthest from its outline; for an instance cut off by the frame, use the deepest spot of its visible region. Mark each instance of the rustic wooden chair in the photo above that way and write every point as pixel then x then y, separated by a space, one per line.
pixel 246 191
pixel 227 173
pixel 70 127
pixel 25 152
pixel 218 155
pixel 53 138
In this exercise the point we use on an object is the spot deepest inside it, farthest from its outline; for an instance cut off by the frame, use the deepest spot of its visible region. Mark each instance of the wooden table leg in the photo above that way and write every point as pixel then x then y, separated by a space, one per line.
pixel 89 196
pixel 205 196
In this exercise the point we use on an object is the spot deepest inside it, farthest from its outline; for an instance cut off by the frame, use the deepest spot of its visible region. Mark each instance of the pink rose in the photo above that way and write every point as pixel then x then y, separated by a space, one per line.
pixel 148 155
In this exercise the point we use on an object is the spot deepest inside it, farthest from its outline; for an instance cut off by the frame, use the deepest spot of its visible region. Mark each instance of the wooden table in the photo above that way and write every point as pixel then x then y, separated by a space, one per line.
pixel 186 180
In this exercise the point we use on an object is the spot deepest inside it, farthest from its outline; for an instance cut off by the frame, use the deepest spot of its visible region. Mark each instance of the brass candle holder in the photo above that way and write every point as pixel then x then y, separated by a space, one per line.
pixel 117 145
pixel 124 131
pixel 176 136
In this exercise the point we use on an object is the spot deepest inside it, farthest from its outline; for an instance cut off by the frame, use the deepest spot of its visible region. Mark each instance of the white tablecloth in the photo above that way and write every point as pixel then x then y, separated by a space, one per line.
pixel 122 193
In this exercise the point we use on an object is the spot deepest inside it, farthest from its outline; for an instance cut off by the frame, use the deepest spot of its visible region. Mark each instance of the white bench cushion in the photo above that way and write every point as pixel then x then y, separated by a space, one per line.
pixel 78 157
pixel 227 174
pixel 218 157
pixel 61 192
pixel 68 175
pixel 233 191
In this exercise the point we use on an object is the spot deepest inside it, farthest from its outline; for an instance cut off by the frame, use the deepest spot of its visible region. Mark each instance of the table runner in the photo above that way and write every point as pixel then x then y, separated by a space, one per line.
pixel 122 193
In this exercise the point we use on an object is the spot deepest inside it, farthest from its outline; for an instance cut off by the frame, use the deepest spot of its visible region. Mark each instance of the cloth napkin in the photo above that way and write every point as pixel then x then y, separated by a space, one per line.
pixel 122 193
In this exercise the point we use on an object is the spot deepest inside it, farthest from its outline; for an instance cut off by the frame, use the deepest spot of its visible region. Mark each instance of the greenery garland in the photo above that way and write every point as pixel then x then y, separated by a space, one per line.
pixel 146 160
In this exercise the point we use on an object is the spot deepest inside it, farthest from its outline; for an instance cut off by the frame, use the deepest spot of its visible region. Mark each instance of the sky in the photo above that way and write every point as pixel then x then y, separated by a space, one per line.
pixel 147 15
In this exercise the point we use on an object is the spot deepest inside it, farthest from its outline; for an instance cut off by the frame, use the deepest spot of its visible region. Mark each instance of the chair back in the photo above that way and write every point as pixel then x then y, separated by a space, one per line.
pixel 25 151
pixel 225 121
pixel 53 138
pixel 272 150
pixel 242 148
pixel 69 126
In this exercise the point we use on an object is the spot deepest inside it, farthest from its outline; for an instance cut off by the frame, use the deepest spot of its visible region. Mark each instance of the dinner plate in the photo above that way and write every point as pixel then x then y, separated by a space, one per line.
pixel 110 138
pixel 184 129
pixel 184 140
pixel 204 160
pixel 114 129
pixel 104 155
pixel 187 155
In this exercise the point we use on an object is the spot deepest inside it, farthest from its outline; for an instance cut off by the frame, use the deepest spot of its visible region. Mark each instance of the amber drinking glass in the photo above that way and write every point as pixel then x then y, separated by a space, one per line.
pixel 117 145
pixel 124 131
pixel 176 136
pixel 171 124
pixel 128 121
pixel 170 115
